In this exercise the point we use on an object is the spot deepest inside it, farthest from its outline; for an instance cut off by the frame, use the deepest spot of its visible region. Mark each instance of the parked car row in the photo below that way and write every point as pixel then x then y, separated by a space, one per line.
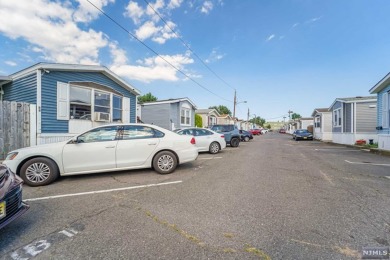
pixel 107 148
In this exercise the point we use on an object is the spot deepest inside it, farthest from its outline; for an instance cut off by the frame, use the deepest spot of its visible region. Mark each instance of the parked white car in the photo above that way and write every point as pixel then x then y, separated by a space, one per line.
pixel 206 140
pixel 102 149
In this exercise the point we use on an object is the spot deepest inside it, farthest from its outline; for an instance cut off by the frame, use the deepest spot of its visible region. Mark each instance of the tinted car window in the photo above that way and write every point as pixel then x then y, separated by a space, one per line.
pixel 137 132
pixel 186 132
pixel 101 134
pixel 201 132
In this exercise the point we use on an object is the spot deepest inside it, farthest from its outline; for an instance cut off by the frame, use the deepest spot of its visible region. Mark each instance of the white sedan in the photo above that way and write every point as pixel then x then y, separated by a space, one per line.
pixel 102 149
pixel 206 140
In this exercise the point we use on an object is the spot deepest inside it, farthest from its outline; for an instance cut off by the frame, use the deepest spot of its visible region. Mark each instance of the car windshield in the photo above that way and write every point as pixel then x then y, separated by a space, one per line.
pixel 302 131
pixel 222 128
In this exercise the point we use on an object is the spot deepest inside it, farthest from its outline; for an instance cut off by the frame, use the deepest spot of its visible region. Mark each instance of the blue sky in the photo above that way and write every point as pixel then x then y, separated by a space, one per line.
pixel 279 55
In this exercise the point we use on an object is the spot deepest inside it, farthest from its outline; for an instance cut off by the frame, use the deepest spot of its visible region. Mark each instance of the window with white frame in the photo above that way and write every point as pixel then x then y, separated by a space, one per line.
pixel 317 122
pixel 117 108
pixel 80 103
pixel 92 104
pixel 385 110
pixel 337 117
pixel 185 116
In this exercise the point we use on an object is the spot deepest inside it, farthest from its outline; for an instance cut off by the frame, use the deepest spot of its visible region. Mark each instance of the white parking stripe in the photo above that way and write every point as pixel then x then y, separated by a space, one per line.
pixel 368 163
pixel 209 158
pixel 103 191
pixel 330 149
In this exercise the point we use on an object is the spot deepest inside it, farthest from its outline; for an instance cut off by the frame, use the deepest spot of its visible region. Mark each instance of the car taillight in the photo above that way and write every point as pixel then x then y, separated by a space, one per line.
pixel 222 136
pixel 193 140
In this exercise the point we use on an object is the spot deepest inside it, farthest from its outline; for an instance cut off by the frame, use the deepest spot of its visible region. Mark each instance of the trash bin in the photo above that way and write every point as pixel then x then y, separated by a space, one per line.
pixel 371 141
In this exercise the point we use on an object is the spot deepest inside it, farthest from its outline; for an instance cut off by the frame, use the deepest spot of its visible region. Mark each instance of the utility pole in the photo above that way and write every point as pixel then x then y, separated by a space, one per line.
pixel 247 120
pixel 234 106
pixel 289 112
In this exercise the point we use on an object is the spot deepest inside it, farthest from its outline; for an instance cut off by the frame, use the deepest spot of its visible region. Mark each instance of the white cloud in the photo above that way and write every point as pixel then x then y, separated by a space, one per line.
pixel 51 30
pixel 10 63
pixel 295 25
pixel 147 30
pixel 270 37
pixel 313 20
pixel 214 56
pixel 174 4
pixel 118 55
pixel 153 68
pixel 134 11
pixel 207 7
pixel 87 12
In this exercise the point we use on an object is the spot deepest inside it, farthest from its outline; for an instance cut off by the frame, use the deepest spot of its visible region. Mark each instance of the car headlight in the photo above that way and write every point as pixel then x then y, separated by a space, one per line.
pixel 11 156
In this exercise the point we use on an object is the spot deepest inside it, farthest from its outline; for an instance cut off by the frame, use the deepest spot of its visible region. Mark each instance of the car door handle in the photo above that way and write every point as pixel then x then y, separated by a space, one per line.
pixel 152 143
pixel 113 146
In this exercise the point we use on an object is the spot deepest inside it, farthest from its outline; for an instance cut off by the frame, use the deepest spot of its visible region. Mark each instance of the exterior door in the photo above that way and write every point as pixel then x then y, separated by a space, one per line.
pixel 94 151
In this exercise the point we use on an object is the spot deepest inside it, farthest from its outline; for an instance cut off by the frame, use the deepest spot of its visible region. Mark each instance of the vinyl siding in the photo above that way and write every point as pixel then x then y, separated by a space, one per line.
pixel 326 122
pixel 175 114
pixel 22 90
pixel 335 129
pixel 347 118
pixel 366 117
pixel 379 111
pixel 158 114
pixel 50 124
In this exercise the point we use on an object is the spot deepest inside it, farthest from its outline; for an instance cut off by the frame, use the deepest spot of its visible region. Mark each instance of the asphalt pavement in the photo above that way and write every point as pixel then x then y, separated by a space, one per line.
pixel 270 198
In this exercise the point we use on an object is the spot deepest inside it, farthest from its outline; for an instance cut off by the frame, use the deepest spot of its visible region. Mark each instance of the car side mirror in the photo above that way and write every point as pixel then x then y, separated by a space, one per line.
pixel 76 140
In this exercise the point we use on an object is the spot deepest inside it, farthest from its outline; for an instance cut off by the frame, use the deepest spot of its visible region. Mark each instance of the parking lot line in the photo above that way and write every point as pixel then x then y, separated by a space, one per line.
pixel 209 158
pixel 336 149
pixel 103 191
pixel 369 163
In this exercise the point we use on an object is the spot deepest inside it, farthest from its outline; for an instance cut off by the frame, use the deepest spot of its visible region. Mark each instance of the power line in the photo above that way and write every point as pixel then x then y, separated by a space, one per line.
pixel 152 50
pixel 186 45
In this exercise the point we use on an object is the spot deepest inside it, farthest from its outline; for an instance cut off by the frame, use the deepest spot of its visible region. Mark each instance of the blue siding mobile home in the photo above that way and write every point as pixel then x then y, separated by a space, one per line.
pixel 47 85
pixel 382 90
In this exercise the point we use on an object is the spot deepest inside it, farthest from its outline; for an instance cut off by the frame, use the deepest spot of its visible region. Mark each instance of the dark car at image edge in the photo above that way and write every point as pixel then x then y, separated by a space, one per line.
pixel 11 204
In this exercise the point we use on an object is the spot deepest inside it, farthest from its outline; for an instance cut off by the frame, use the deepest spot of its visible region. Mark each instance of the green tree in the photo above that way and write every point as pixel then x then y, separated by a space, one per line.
pixel 269 126
pixel 295 116
pixel 222 110
pixel 148 97
pixel 198 120
pixel 258 121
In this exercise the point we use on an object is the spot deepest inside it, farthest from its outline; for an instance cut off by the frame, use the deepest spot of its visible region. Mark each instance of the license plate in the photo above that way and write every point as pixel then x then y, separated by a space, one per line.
pixel 2 209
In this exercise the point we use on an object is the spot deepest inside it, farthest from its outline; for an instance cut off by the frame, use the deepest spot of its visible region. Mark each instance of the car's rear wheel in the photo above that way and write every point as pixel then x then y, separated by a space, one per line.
pixel 214 148
pixel 246 138
pixel 235 142
pixel 39 171
pixel 164 162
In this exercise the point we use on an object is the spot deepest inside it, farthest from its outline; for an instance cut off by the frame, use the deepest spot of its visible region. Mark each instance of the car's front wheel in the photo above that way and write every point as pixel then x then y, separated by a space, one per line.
pixel 235 142
pixel 39 171
pixel 214 148
pixel 164 162
pixel 246 138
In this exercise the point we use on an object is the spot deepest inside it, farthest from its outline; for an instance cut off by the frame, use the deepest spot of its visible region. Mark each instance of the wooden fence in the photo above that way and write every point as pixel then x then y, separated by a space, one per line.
pixel 14 126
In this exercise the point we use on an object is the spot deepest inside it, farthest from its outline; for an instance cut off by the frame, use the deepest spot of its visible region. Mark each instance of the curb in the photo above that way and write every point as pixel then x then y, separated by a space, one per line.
pixel 380 152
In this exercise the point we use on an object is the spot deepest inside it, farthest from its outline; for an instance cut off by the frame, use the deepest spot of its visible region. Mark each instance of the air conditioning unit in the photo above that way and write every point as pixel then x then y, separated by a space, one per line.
pixel 102 117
